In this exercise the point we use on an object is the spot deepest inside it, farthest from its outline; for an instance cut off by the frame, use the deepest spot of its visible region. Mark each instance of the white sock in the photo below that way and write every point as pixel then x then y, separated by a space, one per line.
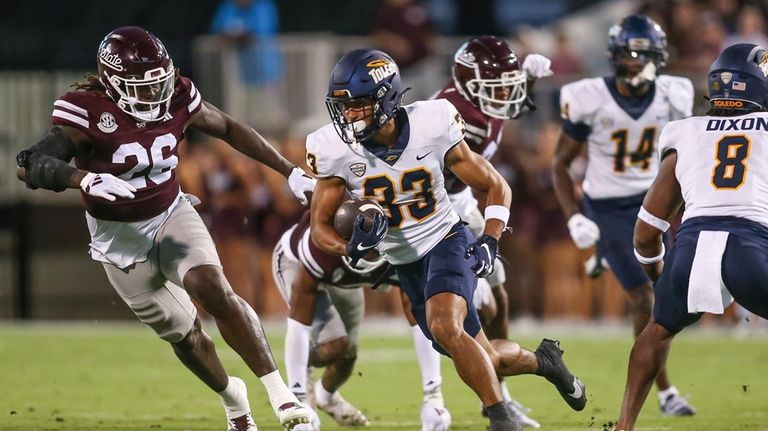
pixel 277 390
pixel 235 398
pixel 667 392
pixel 429 361
pixel 297 355
pixel 322 396
pixel 505 395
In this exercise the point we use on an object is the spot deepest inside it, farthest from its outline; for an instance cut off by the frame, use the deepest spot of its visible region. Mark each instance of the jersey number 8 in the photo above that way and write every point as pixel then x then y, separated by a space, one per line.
pixel 732 152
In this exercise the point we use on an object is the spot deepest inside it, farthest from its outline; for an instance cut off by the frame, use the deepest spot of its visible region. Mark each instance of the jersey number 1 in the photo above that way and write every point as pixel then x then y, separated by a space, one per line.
pixel 732 152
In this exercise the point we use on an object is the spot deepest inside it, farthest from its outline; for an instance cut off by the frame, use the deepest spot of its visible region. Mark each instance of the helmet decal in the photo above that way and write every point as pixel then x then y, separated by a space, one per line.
pixel 738 80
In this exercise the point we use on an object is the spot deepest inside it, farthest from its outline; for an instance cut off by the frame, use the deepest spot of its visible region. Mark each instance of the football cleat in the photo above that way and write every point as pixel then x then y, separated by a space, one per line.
pixel 293 414
pixel 518 413
pixel 505 426
pixel 552 368
pixel 241 423
pixel 676 405
pixel 434 416
pixel 343 412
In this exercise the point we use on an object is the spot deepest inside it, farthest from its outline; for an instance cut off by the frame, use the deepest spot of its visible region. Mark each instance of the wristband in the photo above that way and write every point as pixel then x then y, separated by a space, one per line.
pixel 650 260
pixel 652 220
pixel 497 212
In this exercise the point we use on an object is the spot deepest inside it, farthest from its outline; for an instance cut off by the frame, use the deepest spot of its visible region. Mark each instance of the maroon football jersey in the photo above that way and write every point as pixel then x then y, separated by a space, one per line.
pixel 144 154
pixel 483 133
pixel 329 268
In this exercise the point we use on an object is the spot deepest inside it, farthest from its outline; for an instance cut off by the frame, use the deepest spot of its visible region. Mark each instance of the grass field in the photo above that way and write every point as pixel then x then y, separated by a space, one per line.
pixel 102 376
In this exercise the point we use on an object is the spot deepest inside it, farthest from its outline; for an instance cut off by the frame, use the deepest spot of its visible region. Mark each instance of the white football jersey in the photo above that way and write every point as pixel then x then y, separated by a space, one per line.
pixel 722 165
pixel 410 188
pixel 621 148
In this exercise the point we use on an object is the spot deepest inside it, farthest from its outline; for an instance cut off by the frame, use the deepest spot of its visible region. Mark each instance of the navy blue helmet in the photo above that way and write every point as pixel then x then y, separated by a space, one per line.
pixel 637 37
pixel 737 78
pixel 361 77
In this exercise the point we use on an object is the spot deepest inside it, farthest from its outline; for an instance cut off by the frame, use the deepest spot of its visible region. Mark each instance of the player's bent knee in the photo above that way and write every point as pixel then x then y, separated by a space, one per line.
pixel 207 285
pixel 445 331
pixel 171 319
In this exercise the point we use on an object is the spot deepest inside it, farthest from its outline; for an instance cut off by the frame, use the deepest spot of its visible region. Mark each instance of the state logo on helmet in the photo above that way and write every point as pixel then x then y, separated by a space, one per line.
pixel 637 38
pixel 738 78
pixel 137 73
pixel 363 79
pixel 486 72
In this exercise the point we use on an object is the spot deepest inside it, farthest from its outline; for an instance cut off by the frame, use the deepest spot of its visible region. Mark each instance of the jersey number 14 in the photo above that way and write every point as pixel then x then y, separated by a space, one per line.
pixel 640 157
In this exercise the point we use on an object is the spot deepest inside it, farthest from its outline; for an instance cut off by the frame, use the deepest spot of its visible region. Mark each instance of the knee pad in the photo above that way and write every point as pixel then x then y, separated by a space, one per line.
pixel 168 313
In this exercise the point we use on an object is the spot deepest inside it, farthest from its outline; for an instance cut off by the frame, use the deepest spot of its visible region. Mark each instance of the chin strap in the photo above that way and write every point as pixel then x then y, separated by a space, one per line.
pixel 648 74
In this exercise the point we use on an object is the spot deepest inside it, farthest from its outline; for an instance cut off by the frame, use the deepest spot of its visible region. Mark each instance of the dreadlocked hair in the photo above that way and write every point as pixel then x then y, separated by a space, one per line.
pixel 92 82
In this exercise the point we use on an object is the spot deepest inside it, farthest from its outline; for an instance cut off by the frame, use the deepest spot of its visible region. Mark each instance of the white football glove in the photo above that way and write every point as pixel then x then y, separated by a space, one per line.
pixel 302 185
pixel 434 417
pixel 584 231
pixel 106 186
pixel 537 66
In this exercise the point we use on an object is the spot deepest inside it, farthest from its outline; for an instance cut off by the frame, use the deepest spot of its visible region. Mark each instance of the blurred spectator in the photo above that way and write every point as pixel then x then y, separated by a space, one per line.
pixel 728 11
pixel 565 61
pixel 404 30
pixel 250 27
pixel 749 28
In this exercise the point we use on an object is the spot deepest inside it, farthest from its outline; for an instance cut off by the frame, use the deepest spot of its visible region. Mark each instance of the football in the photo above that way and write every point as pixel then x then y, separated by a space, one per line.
pixel 344 219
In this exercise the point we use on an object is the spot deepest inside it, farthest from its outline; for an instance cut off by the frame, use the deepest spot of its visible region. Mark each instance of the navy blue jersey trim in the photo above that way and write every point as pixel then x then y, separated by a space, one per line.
pixel 577 131
pixel 633 106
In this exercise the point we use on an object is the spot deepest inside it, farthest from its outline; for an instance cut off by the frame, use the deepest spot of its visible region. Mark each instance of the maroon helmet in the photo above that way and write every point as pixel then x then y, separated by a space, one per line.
pixel 137 72
pixel 487 73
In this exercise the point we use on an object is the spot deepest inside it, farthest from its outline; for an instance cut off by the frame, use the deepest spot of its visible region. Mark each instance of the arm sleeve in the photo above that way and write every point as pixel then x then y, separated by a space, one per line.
pixel 322 163
pixel 190 96
pixel 71 111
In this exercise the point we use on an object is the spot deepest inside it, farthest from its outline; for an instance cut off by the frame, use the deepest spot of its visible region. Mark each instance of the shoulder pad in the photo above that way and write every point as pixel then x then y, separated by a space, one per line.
pixel 188 95
pixel 671 137
pixel 678 91
pixel 73 110
pixel 581 99
pixel 325 152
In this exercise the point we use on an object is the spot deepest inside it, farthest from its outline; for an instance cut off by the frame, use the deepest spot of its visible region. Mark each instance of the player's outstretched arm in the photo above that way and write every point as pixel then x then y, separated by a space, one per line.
pixel 212 121
pixel 661 203
pixel 245 139
pixel 328 196
pixel 480 175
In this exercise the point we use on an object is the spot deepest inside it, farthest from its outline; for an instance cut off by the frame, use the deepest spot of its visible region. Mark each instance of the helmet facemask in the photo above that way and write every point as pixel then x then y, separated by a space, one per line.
pixel 490 96
pixel 144 98
pixel 358 130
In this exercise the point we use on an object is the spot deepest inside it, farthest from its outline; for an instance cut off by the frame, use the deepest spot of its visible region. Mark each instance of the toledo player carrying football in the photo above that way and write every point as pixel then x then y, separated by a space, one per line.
pixel 716 165
pixel 488 86
pixel 123 130
pixel 619 118
pixel 377 149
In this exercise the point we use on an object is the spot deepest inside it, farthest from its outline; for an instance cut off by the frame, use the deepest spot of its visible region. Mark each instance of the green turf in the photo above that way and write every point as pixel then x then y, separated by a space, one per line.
pixel 107 377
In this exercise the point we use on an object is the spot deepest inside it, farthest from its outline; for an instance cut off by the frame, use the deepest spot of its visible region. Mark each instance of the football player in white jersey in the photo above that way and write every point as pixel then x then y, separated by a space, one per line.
pixel 488 86
pixel 619 118
pixel 716 165
pixel 377 149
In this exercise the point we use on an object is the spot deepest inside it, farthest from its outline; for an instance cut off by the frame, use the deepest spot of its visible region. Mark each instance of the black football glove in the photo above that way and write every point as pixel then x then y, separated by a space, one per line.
pixel 483 253
pixel 362 241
